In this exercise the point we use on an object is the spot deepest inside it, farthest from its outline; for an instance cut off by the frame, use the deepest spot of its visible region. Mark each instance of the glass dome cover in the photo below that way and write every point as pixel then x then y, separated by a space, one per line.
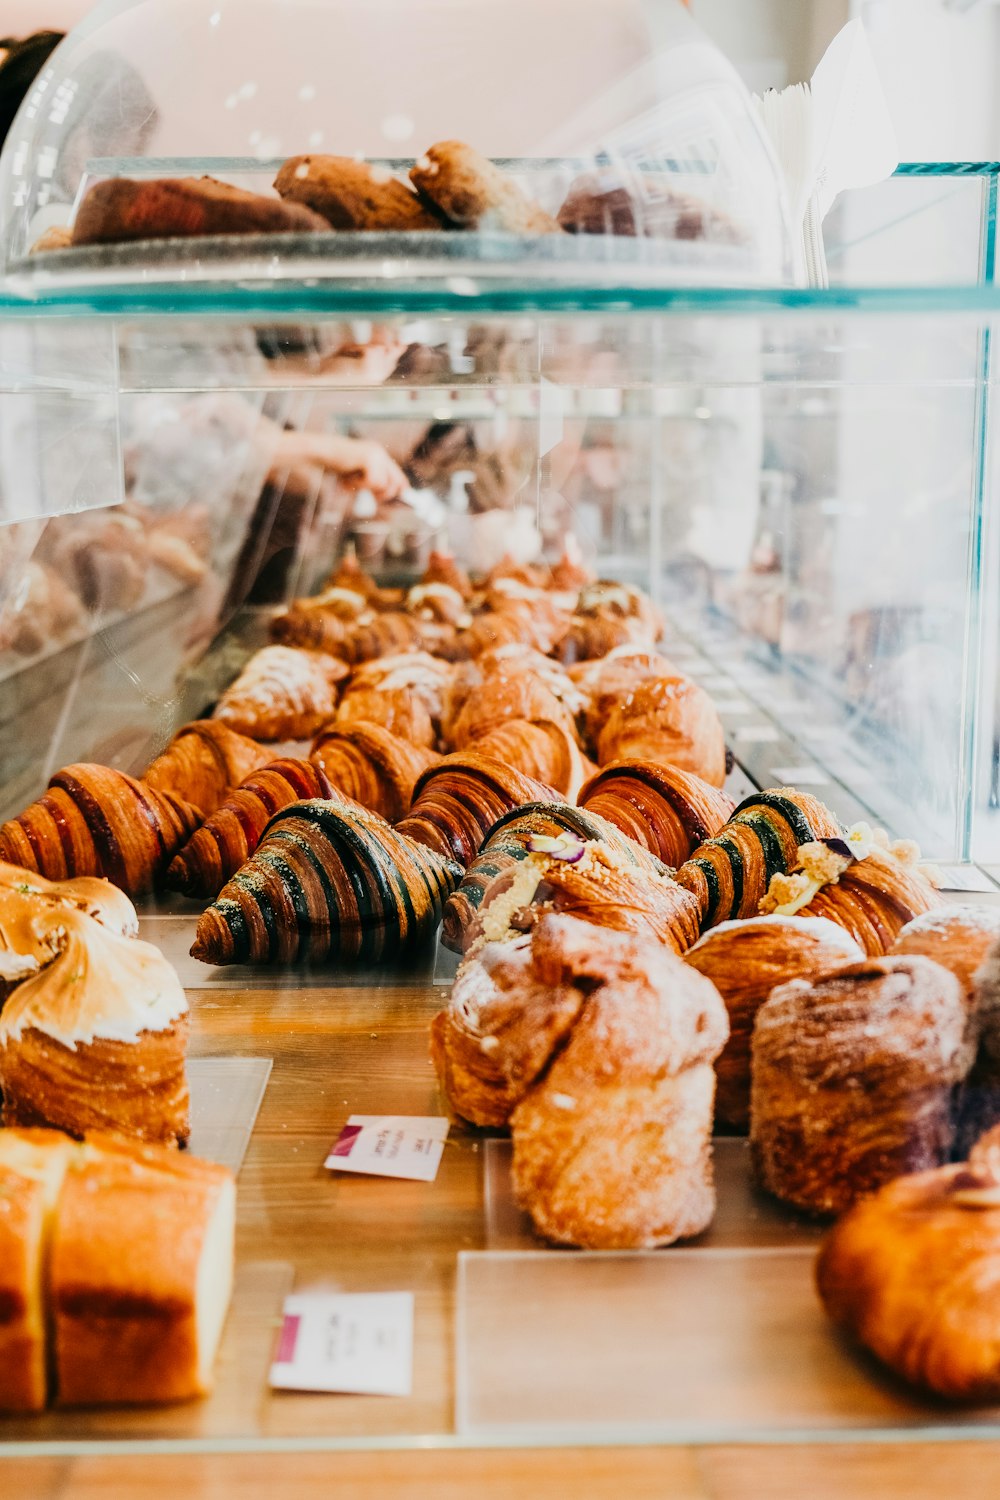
pixel 513 122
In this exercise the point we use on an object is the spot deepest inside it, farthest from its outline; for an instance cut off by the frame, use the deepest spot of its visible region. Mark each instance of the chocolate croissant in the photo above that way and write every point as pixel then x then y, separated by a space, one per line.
pixel 372 766
pixel 509 845
pixel 666 719
pixel 666 810
pixel 96 821
pixel 328 880
pixel 730 873
pixel 871 888
pixel 203 763
pixel 282 694
pixel 226 840
pixel 913 1273
pixel 458 801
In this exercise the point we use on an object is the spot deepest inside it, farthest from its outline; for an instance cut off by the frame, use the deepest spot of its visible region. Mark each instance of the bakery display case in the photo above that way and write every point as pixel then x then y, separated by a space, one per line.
pixel 476 523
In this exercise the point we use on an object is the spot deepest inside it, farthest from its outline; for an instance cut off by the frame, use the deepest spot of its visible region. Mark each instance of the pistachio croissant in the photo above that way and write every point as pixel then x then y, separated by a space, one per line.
pixel 328 880
pixel 913 1273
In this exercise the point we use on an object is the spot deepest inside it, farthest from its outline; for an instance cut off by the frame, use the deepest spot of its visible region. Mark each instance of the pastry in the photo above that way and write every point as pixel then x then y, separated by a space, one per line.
pixel 571 574
pixel 961 932
pixel 957 936
pixel 329 879
pixel 512 660
pixel 746 960
pixel 593 637
pixel 852 1079
pixel 731 872
pixel 103 554
pixel 96 1039
pixel 372 766
pixel 604 1045
pixel 474 194
pixel 913 1274
pixel 416 674
pixel 352 194
pixel 543 749
pixel 225 841
pixel 349 576
pixel 364 639
pixel 666 719
pixel 607 680
pixel 871 887
pixel 26 945
pixel 438 602
pixel 510 691
pixel 395 710
pixel 203 763
pixel 506 848
pixel 588 879
pixel 32 1166
pixel 118 210
pixel 458 801
pixel 666 810
pixel 282 694
pixel 41 611
pixel 140 1274
pixel 96 821
pixel 605 203
pixel 442 567
pixel 609 600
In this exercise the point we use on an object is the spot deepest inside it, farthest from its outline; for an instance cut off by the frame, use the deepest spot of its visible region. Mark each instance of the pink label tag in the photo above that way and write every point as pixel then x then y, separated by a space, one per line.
pixel 285 1352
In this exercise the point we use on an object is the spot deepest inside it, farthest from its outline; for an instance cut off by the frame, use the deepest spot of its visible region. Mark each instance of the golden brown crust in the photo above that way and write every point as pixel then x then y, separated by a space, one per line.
pixel 666 810
pixel 913 1273
pixel 957 937
pixel 543 749
pixel 874 899
pixel 394 709
pixel 282 694
pixel 608 679
pixel 134 1088
pixel 474 194
pixel 667 719
pixel 131 1233
pixel 351 194
pixel 119 209
pixel 603 1046
pixel 203 763
pixel 457 802
pixel 372 766
pixel 852 1079
pixel 97 821
pixel 746 960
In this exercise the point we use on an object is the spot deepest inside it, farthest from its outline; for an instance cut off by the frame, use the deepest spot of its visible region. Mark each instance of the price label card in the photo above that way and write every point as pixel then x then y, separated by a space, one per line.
pixel 390 1146
pixel 357 1342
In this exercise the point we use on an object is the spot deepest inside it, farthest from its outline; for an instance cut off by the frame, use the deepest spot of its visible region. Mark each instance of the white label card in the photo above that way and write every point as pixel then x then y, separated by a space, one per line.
pixel 390 1146
pixel 358 1342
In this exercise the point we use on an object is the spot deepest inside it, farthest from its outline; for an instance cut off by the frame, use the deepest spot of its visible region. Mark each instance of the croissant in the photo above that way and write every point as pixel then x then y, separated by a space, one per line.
pixel 349 576
pixel 227 839
pixel 570 573
pixel 746 960
pixel 609 599
pixel 730 873
pixel 511 626
pixel 458 801
pixel 530 575
pixel 511 661
pixel 666 810
pixel 438 602
pixel 416 673
pixel 852 1077
pixel 913 1273
pixel 328 880
pixel 591 881
pixel 544 750
pixel 668 719
pixel 96 821
pixel 510 692
pixel 393 709
pixel 282 694
pixel 508 845
pixel 203 763
pixel 607 681
pixel 871 889
pixel 372 766
pixel 590 637
pixel 443 568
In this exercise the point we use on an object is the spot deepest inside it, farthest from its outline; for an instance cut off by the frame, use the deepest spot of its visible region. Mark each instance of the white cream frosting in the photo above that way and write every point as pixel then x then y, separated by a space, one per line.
pixel 100 986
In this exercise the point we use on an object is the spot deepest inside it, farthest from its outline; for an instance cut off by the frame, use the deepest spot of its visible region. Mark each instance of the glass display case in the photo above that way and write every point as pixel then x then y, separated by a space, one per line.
pixel 802 481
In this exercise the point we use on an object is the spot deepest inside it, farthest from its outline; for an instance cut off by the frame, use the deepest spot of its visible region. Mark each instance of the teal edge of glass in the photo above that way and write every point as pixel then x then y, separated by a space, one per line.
pixel 389 297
